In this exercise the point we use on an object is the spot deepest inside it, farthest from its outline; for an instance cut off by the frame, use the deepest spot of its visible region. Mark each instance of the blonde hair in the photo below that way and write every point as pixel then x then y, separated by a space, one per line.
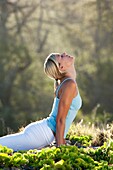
pixel 51 67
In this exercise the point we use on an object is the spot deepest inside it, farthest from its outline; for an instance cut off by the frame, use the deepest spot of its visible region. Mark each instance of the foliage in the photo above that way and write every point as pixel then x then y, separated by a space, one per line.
pixel 88 134
pixel 79 153
pixel 64 157
pixel 81 140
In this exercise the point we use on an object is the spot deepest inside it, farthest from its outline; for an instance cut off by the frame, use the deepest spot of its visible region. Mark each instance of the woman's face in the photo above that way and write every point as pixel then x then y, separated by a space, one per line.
pixel 65 61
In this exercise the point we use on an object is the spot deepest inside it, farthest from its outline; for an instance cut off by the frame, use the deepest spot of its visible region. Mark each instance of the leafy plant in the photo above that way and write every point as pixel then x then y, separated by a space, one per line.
pixel 63 158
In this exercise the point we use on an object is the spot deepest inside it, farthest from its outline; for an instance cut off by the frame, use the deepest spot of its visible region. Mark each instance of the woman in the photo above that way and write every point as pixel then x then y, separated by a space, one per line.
pixel 67 102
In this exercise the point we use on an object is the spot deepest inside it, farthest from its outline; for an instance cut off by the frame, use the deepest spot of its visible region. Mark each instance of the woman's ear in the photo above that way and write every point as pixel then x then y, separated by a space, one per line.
pixel 61 67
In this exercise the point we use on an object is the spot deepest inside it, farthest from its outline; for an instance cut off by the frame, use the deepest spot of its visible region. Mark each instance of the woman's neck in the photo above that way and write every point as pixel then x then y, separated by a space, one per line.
pixel 71 73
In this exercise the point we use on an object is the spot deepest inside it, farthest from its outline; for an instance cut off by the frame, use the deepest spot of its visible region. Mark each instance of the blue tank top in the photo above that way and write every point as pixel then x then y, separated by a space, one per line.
pixel 74 107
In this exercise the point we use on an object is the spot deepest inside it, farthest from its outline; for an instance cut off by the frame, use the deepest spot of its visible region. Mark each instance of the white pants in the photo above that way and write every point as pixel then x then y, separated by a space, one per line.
pixel 35 136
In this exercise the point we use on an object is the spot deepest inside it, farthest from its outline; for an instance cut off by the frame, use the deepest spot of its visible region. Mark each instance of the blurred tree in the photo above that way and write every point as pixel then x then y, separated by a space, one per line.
pixel 100 26
pixel 90 33
pixel 104 52
pixel 15 56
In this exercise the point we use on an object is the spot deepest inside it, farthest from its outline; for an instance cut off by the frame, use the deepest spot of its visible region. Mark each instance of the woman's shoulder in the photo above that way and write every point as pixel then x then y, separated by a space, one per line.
pixel 70 86
pixel 71 83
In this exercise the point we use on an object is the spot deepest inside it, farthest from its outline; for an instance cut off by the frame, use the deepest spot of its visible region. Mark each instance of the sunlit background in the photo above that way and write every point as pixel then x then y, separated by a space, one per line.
pixel 29 31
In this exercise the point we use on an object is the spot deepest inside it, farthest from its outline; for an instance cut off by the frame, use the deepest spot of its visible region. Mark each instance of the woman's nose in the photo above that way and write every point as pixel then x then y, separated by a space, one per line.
pixel 64 54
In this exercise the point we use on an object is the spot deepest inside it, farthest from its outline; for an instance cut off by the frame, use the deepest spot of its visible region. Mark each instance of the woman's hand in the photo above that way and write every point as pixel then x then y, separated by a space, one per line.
pixel 64 143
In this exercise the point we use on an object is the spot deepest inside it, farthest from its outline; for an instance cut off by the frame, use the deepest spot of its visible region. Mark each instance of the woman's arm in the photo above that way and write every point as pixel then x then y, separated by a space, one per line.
pixel 68 93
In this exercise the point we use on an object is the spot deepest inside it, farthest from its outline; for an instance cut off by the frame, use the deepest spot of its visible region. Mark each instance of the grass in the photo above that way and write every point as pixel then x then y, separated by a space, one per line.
pixel 99 134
